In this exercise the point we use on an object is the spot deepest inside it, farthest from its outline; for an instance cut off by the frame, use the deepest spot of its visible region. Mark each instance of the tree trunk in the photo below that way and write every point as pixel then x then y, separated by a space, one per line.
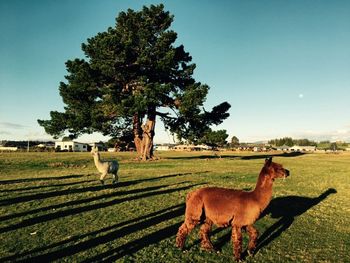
pixel 137 130
pixel 148 135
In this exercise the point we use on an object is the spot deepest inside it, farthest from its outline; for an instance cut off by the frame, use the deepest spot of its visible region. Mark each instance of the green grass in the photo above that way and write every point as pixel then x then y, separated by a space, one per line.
pixel 52 207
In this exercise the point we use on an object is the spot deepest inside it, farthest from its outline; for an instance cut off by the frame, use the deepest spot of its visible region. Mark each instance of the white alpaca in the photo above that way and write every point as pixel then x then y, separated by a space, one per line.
pixel 105 167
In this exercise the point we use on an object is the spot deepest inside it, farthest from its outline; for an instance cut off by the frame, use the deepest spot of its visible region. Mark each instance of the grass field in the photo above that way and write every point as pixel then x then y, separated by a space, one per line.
pixel 52 207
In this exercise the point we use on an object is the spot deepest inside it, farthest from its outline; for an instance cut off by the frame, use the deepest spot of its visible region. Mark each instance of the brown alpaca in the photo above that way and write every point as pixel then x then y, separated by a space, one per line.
pixel 224 207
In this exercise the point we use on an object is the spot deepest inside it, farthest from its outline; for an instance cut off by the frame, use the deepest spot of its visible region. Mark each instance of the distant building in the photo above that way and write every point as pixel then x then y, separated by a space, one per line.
pixel 112 150
pixel 8 149
pixel 284 148
pixel 192 147
pixel 297 148
pixel 46 145
pixel 245 148
pixel 71 146
pixel 99 145
pixel 163 147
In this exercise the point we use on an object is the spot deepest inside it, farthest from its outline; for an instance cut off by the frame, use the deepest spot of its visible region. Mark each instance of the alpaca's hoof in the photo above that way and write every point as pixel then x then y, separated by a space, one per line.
pixel 251 252
pixel 180 246
pixel 180 242
pixel 238 258
pixel 102 182
pixel 207 247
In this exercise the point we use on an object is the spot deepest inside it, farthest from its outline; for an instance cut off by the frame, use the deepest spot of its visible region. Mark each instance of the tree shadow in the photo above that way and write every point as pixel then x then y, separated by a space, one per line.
pixel 128 183
pixel 228 156
pixel 79 202
pixel 120 185
pixel 147 192
pixel 39 196
pixel 136 245
pixel 46 186
pixel 51 178
pixel 286 209
pixel 264 156
pixel 106 235
pixel 203 156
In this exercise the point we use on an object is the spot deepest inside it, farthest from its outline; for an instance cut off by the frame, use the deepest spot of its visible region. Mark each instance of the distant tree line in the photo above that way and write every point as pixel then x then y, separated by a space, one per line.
pixel 306 142
pixel 332 145
pixel 290 142
pixel 23 144
pixel 31 145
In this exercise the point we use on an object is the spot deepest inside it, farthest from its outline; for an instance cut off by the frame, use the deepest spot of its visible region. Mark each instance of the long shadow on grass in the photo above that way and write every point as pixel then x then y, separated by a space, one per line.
pixel 79 202
pixel 39 196
pixel 51 178
pixel 109 234
pixel 158 178
pixel 77 210
pixel 46 186
pixel 264 156
pixel 286 209
pixel 132 247
pixel 94 198
pixel 228 156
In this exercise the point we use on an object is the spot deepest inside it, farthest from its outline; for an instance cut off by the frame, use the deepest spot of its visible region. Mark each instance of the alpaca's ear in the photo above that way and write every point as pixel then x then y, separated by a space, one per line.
pixel 268 161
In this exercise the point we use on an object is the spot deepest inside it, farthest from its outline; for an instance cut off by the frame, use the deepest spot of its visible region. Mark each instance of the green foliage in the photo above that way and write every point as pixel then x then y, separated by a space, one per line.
pixel 283 141
pixel 333 146
pixel 290 142
pixel 133 68
pixel 234 141
pixel 327 145
pixel 193 124
pixel 124 142
pixel 67 139
pixel 214 138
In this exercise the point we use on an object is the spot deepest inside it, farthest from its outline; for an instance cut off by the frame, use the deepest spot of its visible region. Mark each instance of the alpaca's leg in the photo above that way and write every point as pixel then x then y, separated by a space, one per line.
pixel 103 175
pixel 204 235
pixel 237 241
pixel 183 231
pixel 253 238
pixel 115 178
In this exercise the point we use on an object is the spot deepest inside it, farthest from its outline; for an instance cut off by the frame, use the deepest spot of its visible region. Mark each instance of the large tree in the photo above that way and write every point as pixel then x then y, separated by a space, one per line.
pixel 133 73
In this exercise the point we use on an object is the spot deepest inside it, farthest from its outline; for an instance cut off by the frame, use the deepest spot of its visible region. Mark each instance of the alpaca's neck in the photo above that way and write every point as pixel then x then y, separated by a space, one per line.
pixel 97 160
pixel 263 190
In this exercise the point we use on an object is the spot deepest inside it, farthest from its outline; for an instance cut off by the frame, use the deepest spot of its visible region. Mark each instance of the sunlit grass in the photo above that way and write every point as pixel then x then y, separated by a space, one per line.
pixel 52 207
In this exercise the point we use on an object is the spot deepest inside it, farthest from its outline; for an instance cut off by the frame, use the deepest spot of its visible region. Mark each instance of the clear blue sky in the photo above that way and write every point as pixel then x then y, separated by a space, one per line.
pixel 284 66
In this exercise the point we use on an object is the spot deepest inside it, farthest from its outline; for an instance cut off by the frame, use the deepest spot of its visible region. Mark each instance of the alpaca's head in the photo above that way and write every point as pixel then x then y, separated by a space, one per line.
pixel 94 151
pixel 274 170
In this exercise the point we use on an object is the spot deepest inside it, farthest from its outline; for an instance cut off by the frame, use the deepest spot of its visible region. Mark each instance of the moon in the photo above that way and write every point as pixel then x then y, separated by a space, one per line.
pixel 301 96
